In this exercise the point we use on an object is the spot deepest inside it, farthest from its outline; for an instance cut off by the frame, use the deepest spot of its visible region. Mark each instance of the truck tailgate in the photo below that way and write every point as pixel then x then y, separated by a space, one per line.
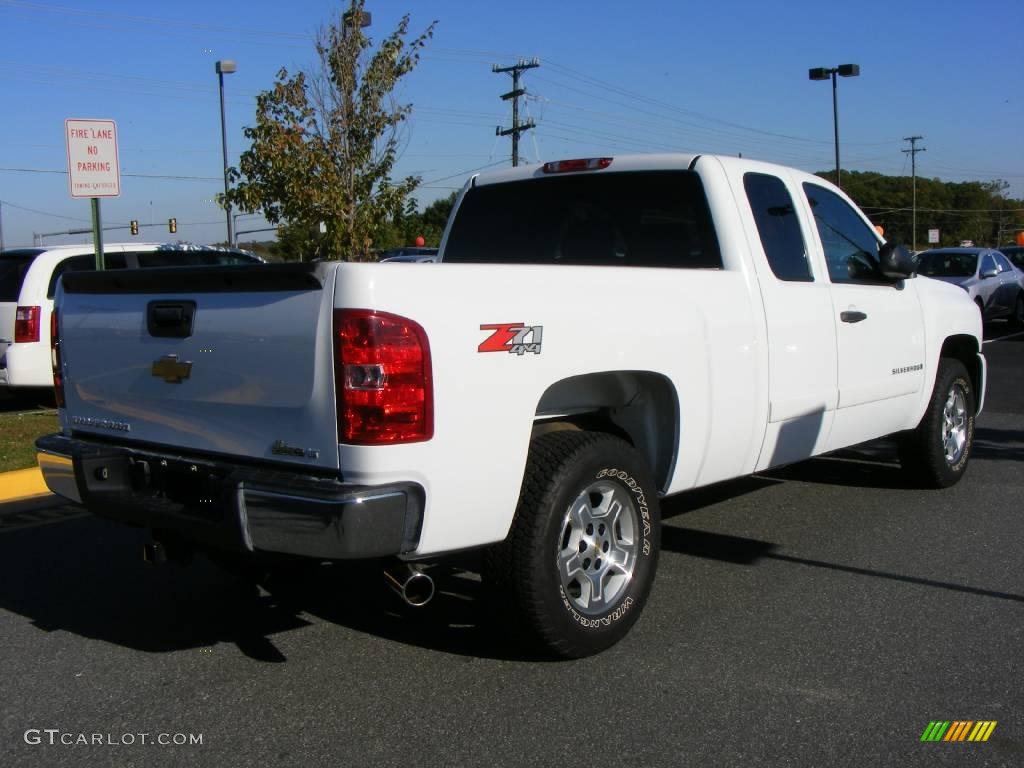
pixel 222 360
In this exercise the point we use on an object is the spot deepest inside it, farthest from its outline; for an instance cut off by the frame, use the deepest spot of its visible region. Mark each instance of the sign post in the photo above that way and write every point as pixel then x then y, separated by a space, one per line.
pixel 93 168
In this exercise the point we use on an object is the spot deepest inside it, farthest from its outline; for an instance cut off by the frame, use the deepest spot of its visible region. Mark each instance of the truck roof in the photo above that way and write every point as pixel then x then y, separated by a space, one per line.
pixel 638 162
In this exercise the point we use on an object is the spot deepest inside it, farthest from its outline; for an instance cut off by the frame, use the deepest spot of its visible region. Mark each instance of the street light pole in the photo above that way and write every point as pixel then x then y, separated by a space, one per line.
pixel 824 73
pixel 225 67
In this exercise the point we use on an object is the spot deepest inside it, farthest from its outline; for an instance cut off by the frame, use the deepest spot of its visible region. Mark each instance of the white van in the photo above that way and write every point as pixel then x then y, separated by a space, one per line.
pixel 28 281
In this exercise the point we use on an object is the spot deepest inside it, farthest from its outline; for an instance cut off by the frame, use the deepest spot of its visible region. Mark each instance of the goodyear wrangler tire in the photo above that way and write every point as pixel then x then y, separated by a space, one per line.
pixel 580 559
pixel 936 453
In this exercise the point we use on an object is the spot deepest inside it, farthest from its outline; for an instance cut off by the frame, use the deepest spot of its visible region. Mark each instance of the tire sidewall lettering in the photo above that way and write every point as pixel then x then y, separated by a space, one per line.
pixel 628 602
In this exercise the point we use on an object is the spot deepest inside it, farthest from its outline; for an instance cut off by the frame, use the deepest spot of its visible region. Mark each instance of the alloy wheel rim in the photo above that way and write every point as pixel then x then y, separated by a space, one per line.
pixel 954 424
pixel 597 548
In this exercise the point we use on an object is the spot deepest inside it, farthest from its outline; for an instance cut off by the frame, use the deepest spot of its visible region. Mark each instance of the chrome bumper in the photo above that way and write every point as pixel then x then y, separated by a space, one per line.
pixel 234 506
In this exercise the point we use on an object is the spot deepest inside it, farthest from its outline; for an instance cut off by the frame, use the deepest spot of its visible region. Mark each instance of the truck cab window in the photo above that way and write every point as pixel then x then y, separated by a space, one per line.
pixel 634 219
pixel 778 226
pixel 850 245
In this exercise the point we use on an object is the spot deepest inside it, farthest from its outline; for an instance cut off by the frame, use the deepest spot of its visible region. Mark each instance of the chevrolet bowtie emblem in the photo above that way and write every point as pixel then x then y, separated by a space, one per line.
pixel 171 370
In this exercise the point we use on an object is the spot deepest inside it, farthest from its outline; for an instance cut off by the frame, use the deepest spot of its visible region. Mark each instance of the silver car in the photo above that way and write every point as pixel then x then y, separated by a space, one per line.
pixel 995 285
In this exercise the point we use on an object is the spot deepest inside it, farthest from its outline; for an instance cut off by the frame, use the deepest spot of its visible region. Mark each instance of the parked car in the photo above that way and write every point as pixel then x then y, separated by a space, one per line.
pixel 1015 253
pixel 992 282
pixel 419 255
pixel 28 281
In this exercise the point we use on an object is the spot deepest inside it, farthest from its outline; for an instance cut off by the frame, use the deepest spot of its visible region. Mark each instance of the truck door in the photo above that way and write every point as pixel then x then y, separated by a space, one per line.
pixel 879 325
pixel 802 387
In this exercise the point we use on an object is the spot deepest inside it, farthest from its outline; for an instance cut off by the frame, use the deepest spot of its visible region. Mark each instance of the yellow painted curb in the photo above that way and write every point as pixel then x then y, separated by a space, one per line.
pixel 22 484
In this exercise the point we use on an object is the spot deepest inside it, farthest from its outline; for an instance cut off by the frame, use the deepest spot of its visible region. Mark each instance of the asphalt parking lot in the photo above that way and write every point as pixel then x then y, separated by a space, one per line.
pixel 823 614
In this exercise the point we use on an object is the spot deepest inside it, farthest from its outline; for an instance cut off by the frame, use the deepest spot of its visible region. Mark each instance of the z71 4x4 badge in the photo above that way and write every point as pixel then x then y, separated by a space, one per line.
pixel 514 338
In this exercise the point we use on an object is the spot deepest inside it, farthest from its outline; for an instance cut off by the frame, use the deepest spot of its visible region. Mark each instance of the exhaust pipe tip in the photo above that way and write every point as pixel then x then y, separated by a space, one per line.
pixel 154 553
pixel 413 586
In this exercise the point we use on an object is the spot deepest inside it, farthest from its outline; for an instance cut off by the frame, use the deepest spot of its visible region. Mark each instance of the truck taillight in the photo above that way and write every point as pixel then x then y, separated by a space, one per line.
pixel 58 377
pixel 383 378
pixel 26 324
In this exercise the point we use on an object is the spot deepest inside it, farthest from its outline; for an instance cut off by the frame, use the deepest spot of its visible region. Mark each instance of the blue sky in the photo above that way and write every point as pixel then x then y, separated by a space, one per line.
pixel 727 76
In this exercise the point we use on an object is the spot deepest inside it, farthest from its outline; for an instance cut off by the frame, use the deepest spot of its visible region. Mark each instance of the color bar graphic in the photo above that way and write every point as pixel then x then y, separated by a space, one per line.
pixel 958 730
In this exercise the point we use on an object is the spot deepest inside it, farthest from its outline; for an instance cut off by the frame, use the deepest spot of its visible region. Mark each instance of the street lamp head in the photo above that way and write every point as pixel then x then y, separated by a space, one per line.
pixel 819 73
pixel 848 70
pixel 225 67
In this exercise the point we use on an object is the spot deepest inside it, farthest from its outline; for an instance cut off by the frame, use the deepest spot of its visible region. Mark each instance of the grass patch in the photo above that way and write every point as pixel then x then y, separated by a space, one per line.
pixel 18 433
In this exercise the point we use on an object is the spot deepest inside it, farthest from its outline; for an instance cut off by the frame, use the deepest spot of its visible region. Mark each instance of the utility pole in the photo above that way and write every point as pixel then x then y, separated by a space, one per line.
pixel 517 127
pixel 914 149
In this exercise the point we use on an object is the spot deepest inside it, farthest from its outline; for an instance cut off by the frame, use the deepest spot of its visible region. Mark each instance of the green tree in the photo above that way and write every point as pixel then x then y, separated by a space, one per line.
pixel 969 210
pixel 324 144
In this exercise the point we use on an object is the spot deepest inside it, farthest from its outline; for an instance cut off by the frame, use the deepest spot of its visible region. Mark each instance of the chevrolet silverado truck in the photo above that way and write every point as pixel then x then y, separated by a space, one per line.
pixel 599 333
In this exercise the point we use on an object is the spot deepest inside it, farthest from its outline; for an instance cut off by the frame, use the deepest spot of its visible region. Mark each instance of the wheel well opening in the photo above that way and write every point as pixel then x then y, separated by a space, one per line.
pixel 640 407
pixel 964 349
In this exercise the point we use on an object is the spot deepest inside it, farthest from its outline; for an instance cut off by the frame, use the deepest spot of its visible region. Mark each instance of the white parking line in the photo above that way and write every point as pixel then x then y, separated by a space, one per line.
pixel 1004 338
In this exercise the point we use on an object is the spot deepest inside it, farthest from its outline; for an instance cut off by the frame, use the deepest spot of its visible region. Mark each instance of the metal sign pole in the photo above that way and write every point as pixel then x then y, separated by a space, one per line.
pixel 97 233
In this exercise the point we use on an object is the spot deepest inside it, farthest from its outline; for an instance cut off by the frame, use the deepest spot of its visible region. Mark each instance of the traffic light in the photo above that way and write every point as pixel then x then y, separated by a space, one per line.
pixel 172 225
pixel 135 226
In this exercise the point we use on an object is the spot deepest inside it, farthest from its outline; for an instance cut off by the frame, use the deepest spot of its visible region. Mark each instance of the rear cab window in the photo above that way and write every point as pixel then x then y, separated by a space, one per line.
pixel 14 266
pixel 629 218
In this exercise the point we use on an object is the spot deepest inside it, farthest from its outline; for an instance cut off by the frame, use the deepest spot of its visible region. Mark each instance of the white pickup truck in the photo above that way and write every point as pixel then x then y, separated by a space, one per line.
pixel 600 333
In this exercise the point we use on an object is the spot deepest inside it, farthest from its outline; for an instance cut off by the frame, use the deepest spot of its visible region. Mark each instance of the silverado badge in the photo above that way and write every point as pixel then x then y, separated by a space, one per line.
pixel 171 370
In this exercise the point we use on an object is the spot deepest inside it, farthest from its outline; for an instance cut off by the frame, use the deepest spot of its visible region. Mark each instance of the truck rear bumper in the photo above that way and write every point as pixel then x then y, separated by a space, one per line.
pixel 234 506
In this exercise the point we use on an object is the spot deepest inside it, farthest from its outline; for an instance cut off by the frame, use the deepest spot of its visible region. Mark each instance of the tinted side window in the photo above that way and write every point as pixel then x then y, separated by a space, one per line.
pixel 778 226
pixel 851 248
pixel 988 264
pixel 639 219
pixel 82 264
pixel 12 274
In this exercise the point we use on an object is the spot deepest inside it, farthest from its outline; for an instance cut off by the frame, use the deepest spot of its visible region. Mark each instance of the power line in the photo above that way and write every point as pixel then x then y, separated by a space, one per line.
pixel 128 175
pixel 463 173
pixel 42 213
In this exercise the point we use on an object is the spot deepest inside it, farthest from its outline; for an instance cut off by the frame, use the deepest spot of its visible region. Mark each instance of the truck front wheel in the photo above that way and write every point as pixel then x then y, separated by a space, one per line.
pixel 936 453
pixel 579 561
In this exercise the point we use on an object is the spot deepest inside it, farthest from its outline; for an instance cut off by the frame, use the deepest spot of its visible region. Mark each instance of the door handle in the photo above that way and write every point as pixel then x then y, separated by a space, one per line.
pixel 170 319
pixel 852 317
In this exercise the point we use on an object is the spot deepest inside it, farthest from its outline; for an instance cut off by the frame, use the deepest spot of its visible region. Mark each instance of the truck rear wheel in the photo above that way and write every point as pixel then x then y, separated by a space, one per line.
pixel 936 453
pixel 580 559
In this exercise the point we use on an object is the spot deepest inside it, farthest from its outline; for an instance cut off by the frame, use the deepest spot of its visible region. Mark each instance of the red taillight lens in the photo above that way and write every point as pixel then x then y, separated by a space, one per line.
pixel 580 164
pixel 383 378
pixel 26 324
pixel 58 377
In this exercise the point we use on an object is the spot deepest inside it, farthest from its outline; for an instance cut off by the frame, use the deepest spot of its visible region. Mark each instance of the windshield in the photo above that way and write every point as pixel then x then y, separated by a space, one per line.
pixel 948 264
pixel 13 267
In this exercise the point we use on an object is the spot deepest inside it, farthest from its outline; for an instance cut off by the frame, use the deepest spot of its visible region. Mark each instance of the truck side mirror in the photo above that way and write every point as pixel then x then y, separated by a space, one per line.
pixel 896 262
